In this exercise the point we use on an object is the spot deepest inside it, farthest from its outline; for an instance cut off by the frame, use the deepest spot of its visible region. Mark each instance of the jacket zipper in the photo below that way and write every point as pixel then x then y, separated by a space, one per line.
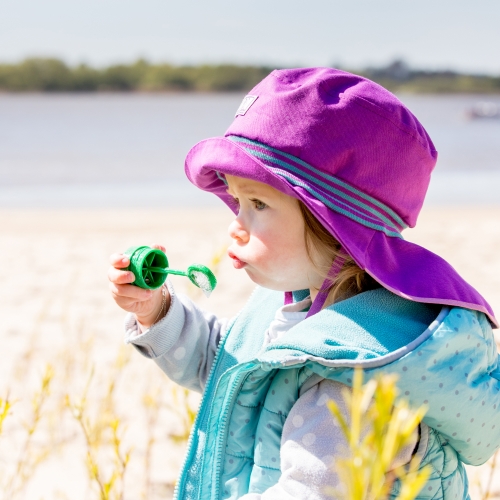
pixel 199 416
pixel 222 434
pixel 202 404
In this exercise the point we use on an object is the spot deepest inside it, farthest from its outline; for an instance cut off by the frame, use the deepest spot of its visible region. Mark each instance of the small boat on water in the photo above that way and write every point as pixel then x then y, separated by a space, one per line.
pixel 484 110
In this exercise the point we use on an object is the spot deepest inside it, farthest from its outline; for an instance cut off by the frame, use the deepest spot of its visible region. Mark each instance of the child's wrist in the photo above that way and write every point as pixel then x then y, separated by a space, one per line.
pixel 159 312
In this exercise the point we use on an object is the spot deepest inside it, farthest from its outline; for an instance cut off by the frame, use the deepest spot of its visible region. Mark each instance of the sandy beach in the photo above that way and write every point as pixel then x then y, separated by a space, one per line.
pixel 56 309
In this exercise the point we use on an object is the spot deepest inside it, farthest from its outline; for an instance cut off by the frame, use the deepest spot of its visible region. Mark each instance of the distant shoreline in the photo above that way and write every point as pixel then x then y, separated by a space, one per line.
pixel 54 76
pixel 139 92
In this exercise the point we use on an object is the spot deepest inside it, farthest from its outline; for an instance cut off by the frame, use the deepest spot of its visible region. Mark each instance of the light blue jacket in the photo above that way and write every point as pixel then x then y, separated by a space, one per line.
pixel 445 358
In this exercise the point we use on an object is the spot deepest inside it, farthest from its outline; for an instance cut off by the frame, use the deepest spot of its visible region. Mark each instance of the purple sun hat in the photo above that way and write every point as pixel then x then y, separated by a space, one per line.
pixel 356 157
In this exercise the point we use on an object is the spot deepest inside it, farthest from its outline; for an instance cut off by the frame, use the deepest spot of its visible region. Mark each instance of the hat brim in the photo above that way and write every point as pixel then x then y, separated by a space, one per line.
pixel 402 267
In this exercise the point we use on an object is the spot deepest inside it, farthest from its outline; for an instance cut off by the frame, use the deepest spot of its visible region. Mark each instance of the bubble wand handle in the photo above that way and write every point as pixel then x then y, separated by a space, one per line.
pixel 177 272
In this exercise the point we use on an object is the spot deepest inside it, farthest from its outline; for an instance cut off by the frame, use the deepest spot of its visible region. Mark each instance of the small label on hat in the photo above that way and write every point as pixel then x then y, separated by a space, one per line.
pixel 248 100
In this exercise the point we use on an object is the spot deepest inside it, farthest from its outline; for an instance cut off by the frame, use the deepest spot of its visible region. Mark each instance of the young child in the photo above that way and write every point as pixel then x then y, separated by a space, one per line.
pixel 323 169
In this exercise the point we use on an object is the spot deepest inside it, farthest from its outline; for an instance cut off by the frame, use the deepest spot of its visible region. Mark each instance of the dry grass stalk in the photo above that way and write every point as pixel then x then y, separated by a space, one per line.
pixel 186 413
pixel 151 403
pixel 28 459
pixel 102 430
pixel 5 406
pixel 28 355
pixel 485 493
pixel 380 427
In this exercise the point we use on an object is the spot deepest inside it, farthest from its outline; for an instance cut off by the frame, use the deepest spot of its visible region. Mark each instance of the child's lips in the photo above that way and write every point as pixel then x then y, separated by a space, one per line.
pixel 237 263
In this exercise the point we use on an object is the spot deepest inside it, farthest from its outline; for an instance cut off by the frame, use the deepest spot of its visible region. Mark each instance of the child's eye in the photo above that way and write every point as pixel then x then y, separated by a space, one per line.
pixel 259 205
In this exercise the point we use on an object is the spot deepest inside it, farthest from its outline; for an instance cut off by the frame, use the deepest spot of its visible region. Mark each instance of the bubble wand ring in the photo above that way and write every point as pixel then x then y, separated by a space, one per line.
pixel 150 268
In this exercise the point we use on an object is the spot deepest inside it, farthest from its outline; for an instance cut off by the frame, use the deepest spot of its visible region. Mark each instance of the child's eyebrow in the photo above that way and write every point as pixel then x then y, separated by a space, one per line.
pixel 247 190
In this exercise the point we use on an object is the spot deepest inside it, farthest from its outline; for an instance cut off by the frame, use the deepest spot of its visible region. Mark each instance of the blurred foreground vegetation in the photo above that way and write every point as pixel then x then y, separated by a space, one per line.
pixel 53 75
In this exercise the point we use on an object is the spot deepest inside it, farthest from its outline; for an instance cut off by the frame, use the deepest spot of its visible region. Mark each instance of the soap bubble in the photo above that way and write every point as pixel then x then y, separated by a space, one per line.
pixel 202 281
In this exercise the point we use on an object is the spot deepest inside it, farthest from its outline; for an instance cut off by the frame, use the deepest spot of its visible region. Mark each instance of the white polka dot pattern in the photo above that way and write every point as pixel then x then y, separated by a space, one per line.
pixel 309 439
pixel 461 386
pixel 322 400
pixel 179 353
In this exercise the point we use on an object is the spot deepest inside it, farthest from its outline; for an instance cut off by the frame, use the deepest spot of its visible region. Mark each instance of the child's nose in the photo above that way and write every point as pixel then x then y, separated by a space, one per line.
pixel 237 231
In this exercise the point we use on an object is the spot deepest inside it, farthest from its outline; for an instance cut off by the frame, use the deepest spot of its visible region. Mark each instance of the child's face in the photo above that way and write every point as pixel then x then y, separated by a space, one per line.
pixel 268 238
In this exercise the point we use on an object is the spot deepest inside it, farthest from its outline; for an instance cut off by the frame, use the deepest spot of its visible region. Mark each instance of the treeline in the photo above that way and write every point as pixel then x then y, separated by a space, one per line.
pixel 53 75
pixel 400 77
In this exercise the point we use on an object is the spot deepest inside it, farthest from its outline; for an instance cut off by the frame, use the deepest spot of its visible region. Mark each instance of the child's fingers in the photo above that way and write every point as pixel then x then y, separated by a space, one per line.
pixel 127 304
pixel 130 292
pixel 119 260
pixel 120 277
pixel 159 247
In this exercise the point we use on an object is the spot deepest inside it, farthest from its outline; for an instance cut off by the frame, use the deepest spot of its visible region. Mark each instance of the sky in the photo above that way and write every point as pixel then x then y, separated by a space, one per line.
pixel 435 34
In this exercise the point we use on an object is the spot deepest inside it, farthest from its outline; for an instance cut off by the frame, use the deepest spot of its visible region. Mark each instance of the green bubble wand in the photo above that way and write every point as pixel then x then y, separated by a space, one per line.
pixel 150 268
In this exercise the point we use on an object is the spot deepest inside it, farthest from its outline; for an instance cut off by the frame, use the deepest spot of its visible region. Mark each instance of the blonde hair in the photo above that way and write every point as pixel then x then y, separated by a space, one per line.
pixel 351 279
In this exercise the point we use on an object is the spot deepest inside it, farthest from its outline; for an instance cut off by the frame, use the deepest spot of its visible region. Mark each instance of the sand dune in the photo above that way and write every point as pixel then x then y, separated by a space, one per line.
pixel 55 307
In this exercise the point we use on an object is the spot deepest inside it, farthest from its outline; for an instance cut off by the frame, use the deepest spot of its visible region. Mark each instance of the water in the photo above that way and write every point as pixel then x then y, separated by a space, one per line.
pixel 113 150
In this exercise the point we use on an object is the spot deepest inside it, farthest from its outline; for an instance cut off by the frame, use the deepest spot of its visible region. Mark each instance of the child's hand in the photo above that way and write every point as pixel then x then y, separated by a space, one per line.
pixel 146 304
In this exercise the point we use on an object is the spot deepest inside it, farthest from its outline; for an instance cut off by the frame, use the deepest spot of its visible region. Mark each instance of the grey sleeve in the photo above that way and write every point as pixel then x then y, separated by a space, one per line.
pixel 183 344
pixel 311 443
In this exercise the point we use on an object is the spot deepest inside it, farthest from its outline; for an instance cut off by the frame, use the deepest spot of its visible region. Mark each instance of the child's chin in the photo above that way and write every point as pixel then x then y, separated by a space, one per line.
pixel 258 279
pixel 254 277
pixel 266 283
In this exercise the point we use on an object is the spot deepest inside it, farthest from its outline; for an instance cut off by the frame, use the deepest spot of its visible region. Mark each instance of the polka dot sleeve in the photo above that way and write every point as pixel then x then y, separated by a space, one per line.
pixel 183 344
